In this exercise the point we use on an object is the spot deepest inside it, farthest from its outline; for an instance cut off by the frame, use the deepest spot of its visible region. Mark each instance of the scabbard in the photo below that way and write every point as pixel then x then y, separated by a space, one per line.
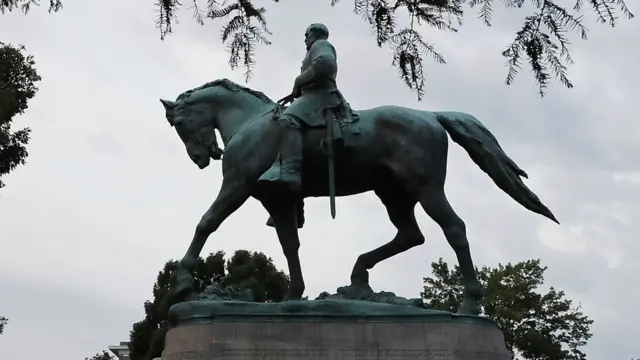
pixel 331 165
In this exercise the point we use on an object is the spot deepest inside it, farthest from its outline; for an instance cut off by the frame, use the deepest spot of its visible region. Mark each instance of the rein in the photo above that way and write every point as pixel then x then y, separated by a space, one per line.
pixel 248 123
pixel 276 114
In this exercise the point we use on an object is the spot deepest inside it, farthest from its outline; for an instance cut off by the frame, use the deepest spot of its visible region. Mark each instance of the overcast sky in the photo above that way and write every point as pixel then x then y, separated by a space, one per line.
pixel 109 194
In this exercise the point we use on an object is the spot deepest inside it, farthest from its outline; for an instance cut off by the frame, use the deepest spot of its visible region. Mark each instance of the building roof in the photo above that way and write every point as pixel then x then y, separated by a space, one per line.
pixel 120 350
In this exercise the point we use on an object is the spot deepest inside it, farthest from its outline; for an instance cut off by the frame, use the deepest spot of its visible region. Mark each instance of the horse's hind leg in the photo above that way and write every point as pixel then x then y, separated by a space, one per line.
pixel 400 208
pixel 435 204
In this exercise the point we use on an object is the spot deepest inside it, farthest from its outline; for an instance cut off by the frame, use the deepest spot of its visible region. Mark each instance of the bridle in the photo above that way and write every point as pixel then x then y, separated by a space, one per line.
pixel 197 134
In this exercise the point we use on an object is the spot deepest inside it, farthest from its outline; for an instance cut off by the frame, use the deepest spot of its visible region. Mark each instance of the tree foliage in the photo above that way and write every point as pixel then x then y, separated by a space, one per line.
pixel 244 270
pixel 18 78
pixel 542 41
pixel 537 325
pixel 3 322
pixel 26 5
pixel 104 355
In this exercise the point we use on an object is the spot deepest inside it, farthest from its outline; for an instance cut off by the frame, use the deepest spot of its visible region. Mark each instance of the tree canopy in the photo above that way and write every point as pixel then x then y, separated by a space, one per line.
pixel 542 41
pixel 18 78
pixel 3 322
pixel 244 270
pixel 537 324
pixel 104 355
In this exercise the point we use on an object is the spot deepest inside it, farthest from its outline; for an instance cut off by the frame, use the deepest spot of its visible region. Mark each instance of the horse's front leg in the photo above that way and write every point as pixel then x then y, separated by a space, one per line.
pixel 283 214
pixel 233 193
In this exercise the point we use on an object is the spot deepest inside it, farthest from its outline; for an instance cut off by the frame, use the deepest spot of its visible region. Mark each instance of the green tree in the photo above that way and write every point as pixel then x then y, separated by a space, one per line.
pixel 542 40
pixel 104 355
pixel 537 325
pixel 3 322
pixel 244 270
pixel 18 78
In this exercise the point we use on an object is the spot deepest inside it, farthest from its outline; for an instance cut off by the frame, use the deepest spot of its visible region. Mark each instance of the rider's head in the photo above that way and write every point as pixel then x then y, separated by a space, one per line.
pixel 315 32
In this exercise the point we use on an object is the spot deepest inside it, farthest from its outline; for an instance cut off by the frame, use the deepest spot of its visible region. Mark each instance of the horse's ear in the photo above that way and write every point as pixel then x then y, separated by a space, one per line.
pixel 168 105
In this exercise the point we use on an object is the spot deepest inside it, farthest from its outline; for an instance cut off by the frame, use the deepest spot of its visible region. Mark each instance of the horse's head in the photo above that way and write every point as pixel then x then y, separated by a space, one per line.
pixel 220 104
pixel 195 124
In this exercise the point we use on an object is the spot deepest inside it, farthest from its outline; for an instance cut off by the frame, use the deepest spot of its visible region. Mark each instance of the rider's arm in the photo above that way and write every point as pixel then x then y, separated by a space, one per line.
pixel 323 64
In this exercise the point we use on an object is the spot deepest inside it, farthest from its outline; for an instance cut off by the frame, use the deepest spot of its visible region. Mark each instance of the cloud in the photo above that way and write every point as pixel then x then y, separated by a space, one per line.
pixel 108 194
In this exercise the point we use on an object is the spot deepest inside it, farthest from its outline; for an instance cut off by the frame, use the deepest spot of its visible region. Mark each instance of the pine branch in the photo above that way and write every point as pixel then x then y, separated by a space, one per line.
pixel 409 50
pixel 248 8
pixel 216 12
pixel 234 49
pixel 565 20
pixel 605 9
pixel 382 18
pixel 10 5
pixel 167 16
pixel 546 49
pixel 198 14
pixel 248 51
pixel 243 34
pixel 362 8
pixel 240 28
pixel 486 10
pixel 435 13
pixel 234 25
pixel 255 35
pixel 262 20
pixel 556 63
pixel 55 5
pixel 514 51
pixel 623 8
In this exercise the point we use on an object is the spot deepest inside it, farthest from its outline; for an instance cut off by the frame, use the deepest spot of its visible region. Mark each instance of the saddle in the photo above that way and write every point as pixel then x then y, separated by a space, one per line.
pixel 339 118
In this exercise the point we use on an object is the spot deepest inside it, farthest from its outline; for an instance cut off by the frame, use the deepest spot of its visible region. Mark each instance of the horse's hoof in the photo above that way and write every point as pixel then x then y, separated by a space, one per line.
pixel 183 288
pixel 293 294
pixel 356 291
pixel 360 278
pixel 469 307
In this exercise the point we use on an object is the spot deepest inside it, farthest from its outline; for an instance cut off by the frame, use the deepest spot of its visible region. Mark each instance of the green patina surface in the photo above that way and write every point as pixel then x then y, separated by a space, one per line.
pixel 347 304
pixel 400 155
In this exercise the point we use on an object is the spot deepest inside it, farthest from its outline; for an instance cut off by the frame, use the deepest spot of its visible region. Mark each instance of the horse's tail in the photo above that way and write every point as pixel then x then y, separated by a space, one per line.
pixel 485 151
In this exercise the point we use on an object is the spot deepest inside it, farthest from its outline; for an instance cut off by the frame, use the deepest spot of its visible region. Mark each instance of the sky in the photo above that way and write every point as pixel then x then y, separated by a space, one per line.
pixel 109 195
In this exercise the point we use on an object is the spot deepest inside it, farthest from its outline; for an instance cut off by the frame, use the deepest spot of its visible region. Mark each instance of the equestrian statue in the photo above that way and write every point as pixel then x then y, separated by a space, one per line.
pixel 318 146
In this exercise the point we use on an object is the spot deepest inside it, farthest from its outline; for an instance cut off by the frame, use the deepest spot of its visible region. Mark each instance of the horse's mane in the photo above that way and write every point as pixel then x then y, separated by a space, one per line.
pixel 229 85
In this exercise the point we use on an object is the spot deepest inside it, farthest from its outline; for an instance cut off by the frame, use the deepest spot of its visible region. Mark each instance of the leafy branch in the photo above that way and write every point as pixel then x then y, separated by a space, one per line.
pixel 18 79
pixel 547 51
pixel 25 5
pixel 542 42
pixel 409 47
pixel 3 322
pixel 245 26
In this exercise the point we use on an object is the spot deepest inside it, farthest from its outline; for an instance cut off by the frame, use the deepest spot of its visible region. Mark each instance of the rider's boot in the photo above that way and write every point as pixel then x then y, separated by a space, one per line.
pixel 288 170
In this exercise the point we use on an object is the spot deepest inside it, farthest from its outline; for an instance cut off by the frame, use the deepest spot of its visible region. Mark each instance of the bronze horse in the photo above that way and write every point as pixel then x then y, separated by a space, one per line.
pixel 400 154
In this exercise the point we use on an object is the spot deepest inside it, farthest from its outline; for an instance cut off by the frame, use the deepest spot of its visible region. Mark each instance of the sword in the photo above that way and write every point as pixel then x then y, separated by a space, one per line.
pixel 330 155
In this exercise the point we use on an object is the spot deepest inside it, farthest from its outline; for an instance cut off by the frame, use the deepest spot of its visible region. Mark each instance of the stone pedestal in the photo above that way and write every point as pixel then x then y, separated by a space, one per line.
pixel 219 331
